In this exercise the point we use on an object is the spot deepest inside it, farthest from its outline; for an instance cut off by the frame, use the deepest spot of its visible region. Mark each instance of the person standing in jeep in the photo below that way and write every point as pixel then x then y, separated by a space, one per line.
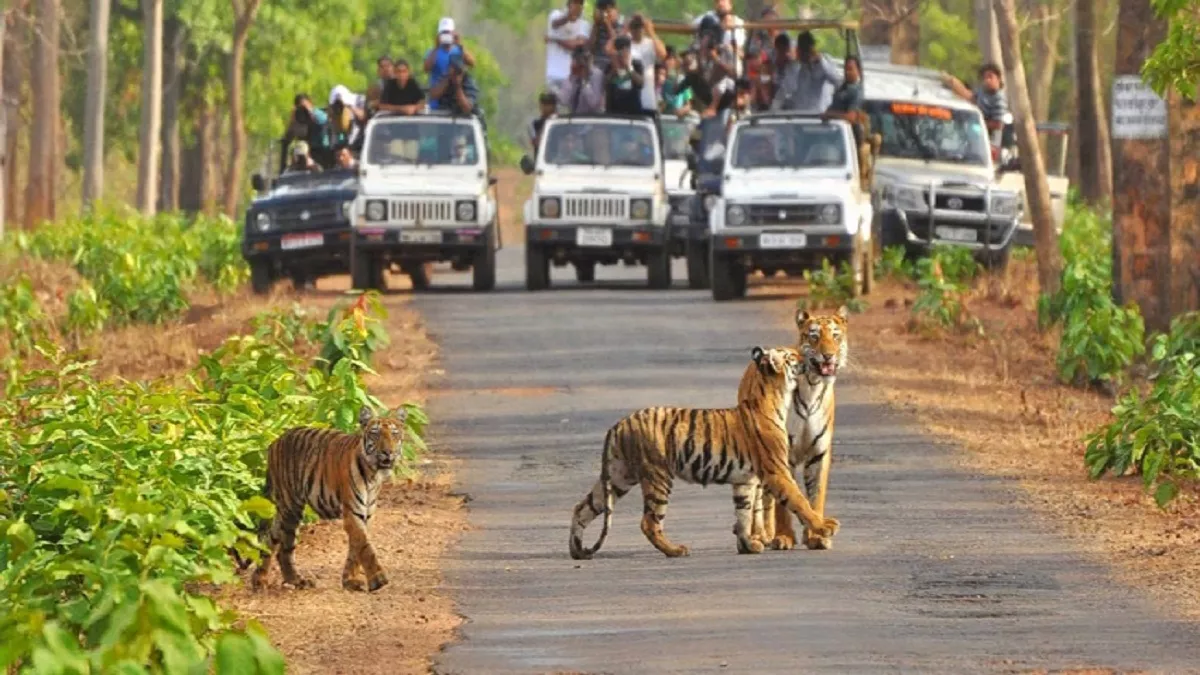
pixel 566 30
pixel 307 123
pixel 990 96
pixel 607 23
pixel 624 81
pixel 401 92
pixel 449 48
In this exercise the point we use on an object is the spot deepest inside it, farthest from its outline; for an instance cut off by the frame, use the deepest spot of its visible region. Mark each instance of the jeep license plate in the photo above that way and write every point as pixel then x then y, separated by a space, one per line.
pixel 420 236
pixel 773 240
pixel 593 237
pixel 290 242
pixel 956 233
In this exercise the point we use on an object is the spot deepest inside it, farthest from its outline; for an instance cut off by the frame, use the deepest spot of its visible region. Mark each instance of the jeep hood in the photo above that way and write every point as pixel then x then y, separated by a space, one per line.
pixel 919 172
pixel 293 197
pixel 598 181
pixel 802 185
pixel 379 184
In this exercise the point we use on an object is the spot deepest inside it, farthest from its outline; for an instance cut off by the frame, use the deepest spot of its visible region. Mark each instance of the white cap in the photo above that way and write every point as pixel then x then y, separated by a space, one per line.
pixel 446 25
pixel 343 92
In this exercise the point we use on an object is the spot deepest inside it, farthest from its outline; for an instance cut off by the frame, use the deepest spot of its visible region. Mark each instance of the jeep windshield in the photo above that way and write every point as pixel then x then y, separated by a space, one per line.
pixel 790 145
pixel 414 141
pixel 930 132
pixel 599 144
pixel 676 136
pixel 336 179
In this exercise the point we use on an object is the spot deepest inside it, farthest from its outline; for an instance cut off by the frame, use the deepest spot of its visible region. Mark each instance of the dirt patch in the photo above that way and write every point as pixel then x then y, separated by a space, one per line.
pixel 400 627
pixel 997 396
pixel 514 187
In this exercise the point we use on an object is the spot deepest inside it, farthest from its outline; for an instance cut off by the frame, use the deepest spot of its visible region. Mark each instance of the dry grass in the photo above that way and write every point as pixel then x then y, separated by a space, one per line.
pixel 997 396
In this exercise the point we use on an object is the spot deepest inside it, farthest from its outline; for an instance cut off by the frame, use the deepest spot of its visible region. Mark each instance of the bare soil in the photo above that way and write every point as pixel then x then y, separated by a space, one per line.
pixel 997 396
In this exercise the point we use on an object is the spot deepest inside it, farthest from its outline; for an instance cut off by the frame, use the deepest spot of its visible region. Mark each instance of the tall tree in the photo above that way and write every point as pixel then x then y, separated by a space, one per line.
pixel 243 18
pixel 989 35
pixel 93 115
pixel 895 24
pixel 15 57
pixel 1045 29
pixel 3 122
pixel 151 122
pixel 39 197
pixel 1037 189
pixel 1095 146
pixel 174 43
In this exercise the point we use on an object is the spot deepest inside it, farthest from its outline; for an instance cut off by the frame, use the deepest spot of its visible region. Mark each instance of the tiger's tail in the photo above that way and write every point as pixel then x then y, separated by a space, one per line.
pixel 580 520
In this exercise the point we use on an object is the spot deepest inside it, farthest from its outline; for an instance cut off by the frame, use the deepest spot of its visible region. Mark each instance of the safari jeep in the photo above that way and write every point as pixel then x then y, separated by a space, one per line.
pixel 935 179
pixel 298 226
pixel 424 197
pixel 791 197
pixel 598 197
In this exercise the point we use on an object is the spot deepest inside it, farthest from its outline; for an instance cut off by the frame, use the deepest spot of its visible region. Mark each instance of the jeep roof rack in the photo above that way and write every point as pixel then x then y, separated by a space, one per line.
pixel 769 115
pixel 427 113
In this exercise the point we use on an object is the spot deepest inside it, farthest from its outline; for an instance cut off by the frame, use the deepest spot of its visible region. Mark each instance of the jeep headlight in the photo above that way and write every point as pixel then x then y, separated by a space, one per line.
pixel 549 207
pixel 831 214
pixel 1004 205
pixel 709 202
pixel 639 209
pixel 377 210
pixel 735 215
pixel 464 210
pixel 263 221
pixel 904 198
pixel 347 210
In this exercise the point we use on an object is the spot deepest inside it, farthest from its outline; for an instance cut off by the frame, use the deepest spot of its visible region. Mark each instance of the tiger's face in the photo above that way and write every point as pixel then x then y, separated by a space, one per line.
pixel 823 340
pixel 779 363
pixel 383 437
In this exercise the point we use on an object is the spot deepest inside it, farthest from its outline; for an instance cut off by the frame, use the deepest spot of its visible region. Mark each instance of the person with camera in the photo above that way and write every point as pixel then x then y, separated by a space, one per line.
pixel 725 32
pixel 347 116
pixel 624 80
pixel 438 59
pixel 457 92
pixel 770 72
pixel 583 91
pixel 566 29
pixel 306 123
pixel 607 23
pixel 302 162
pixel 807 84
pixel 649 50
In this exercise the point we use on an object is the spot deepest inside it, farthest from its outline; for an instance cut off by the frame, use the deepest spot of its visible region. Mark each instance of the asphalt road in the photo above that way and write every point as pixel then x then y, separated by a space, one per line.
pixel 934 570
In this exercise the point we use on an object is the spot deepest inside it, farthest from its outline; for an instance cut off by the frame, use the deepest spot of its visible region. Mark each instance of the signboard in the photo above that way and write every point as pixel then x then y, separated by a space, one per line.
pixel 921 110
pixel 875 53
pixel 1137 112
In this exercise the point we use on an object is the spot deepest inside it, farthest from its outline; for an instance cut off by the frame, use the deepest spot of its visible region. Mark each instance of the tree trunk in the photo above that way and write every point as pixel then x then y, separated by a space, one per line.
pixel 210 165
pixel 1037 189
pixel 906 32
pixel 15 58
pixel 1095 147
pixel 1141 180
pixel 174 41
pixel 243 19
pixel 3 121
pixel 44 127
pixel 988 35
pixel 1045 33
pixel 876 30
pixel 151 122
pixel 93 116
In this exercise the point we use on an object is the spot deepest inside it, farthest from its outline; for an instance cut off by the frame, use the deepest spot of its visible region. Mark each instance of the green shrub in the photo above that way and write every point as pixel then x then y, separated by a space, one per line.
pixel 894 265
pixel 1100 339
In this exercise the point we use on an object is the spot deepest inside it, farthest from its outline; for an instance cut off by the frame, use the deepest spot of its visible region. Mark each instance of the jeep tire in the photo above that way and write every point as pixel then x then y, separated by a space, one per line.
pixel 658 269
pixel 537 268
pixel 366 271
pixel 728 278
pixel 483 272
pixel 696 253
pixel 261 276
pixel 585 271
pixel 419 274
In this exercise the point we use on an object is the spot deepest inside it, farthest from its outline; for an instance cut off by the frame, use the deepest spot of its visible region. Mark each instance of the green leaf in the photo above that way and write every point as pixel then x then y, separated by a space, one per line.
pixel 1165 493
pixel 259 506
pixel 235 655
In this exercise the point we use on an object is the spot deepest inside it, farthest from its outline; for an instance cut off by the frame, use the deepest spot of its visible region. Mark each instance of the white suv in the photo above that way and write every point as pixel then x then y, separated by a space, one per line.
pixel 791 196
pixel 598 197
pixel 424 196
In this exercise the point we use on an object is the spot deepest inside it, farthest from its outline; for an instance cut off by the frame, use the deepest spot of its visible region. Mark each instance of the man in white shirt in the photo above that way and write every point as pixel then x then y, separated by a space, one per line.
pixel 735 34
pixel 650 50
pixel 565 30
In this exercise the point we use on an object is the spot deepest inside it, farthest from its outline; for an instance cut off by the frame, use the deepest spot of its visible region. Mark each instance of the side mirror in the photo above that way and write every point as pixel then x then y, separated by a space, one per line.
pixel 527 165
pixel 492 180
pixel 258 182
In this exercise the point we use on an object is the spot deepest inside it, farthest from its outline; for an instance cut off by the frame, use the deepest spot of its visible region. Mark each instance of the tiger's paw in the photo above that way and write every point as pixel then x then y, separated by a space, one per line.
pixel 680 551
pixel 300 582
pixel 783 542
pixel 354 584
pixel 751 545
pixel 815 543
pixel 377 582
pixel 828 528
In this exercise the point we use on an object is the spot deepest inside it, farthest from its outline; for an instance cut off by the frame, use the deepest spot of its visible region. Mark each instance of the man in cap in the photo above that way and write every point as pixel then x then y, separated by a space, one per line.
pixel 437 59
pixel 456 92
pixel 301 161
pixel 307 123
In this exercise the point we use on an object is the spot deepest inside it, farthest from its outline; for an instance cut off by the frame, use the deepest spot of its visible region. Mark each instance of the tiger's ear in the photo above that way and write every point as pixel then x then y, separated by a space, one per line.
pixel 802 318
pixel 365 415
pixel 401 414
pixel 756 353
pixel 843 313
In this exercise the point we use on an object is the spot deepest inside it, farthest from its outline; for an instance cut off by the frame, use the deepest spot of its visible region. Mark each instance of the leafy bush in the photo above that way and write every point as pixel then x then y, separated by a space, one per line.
pixel 893 264
pixel 21 317
pixel 943 278
pixel 1100 339
pixel 1158 434
pixel 829 288
pixel 119 501
pixel 142 268
pixel 957 263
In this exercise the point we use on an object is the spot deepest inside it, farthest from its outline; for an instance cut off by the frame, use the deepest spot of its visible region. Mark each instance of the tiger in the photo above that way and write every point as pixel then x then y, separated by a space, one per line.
pixel 743 446
pixel 339 475
pixel 822 340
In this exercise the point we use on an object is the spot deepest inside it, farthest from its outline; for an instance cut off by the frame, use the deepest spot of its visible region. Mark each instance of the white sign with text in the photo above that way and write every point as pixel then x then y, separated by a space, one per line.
pixel 1137 112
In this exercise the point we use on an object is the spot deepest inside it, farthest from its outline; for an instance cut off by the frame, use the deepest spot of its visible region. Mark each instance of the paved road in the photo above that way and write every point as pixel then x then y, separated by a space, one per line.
pixel 934 570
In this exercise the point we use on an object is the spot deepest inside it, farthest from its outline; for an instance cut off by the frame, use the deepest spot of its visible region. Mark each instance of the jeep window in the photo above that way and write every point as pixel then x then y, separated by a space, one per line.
pixel 599 144
pixel 790 145
pixel 932 132
pixel 676 135
pixel 303 182
pixel 417 142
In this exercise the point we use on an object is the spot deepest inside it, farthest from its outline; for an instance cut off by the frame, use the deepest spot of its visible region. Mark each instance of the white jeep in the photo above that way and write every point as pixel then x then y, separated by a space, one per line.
pixel 424 196
pixel 791 197
pixel 599 197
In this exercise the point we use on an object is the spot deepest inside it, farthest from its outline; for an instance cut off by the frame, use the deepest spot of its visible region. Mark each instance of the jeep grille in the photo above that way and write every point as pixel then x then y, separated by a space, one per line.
pixel 427 211
pixel 596 208
pixel 792 214
pixel 291 218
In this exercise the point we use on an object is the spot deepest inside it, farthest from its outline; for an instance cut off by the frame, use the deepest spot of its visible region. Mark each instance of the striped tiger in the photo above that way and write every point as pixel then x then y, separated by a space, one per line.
pixel 822 340
pixel 742 447
pixel 339 475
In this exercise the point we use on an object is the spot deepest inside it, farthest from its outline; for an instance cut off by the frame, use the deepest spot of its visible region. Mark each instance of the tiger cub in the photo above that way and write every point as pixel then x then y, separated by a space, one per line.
pixel 822 341
pixel 742 447
pixel 339 475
